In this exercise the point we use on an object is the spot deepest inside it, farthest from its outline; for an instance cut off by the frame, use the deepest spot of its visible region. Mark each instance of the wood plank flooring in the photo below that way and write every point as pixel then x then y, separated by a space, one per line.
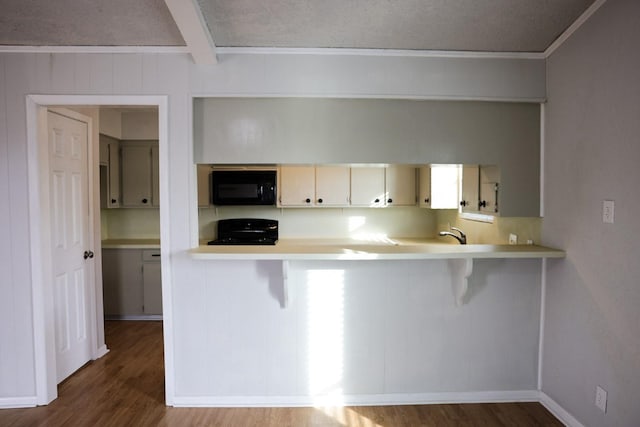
pixel 126 388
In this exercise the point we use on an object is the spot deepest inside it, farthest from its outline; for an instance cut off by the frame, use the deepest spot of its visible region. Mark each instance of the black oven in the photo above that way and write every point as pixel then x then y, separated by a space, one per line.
pixel 243 187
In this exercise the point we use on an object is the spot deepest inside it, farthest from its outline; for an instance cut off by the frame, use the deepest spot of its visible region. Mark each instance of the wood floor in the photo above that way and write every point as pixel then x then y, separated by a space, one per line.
pixel 126 388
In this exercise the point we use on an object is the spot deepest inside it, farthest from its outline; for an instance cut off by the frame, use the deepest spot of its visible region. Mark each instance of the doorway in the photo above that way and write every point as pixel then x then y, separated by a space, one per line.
pixel 41 237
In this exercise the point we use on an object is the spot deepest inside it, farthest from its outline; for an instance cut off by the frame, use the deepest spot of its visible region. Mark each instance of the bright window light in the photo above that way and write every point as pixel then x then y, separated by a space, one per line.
pixel 326 335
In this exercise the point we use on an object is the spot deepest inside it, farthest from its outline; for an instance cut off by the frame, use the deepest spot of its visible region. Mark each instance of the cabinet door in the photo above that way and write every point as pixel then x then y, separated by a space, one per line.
pixel 122 282
pixel 332 186
pixel 489 189
pixel 155 176
pixel 297 185
pixel 104 149
pixel 400 185
pixel 424 187
pixel 367 186
pixel 113 175
pixel 152 288
pixel 470 188
pixel 204 181
pixel 136 175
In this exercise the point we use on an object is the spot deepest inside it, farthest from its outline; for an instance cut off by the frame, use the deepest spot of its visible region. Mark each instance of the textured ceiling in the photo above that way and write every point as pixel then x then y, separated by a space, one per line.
pixel 463 25
pixel 466 25
pixel 87 23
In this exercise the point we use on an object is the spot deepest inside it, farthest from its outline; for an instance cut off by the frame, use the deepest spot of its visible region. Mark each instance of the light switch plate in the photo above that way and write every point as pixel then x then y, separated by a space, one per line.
pixel 607 211
pixel 601 399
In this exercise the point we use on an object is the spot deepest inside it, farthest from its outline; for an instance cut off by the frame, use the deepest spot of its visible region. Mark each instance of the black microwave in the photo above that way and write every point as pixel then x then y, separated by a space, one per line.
pixel 243 187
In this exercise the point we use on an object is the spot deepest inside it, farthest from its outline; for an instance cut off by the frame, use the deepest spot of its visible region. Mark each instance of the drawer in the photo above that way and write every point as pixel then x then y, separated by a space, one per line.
pixel 151 255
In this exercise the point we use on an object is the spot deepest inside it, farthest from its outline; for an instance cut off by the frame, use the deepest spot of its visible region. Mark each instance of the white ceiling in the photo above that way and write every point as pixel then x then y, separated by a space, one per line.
pixel 450 25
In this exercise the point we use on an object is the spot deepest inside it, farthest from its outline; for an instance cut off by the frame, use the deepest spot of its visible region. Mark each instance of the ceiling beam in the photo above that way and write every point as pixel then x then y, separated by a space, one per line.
pixel 194 30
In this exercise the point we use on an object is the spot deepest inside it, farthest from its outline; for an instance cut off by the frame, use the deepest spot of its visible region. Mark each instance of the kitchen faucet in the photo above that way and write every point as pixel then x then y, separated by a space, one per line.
pixel 462 238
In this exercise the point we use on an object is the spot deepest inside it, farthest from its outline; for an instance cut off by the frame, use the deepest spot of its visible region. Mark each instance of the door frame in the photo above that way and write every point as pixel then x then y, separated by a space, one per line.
pixel 40 234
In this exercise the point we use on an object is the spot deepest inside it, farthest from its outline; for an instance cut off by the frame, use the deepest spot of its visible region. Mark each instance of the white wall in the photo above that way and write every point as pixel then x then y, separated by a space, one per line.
pixel 592 154
pixel 312 130
pixel 215 310
pixel 139 125
pixel 111 122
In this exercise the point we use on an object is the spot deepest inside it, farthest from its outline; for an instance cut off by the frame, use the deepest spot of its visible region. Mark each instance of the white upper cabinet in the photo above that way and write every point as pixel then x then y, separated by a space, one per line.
pixel 204 182
pixel 439 186
pixel 314 186
pixel 400 184
pixel 139 174
pixel 470 197
pixel 155 175
pixel 109 172
pixel 480 189
pixel 297 185
pixel 368 186
pixel 489 189
pixel 332 185
pixel 424 186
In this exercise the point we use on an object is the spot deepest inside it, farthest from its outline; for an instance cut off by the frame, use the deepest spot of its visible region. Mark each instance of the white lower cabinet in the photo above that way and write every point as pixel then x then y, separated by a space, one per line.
pixel 151 282
pixel 131 282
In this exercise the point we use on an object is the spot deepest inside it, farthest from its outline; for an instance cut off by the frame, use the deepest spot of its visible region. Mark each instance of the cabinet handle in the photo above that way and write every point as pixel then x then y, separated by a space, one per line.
pixel 155 254
pixel 376 201
pixel 482 203
pixel 463 203
pixel 144 200
pixel 113 200
pixel 308 200
pixel 426 200
pixel 88 254
pixel 319 200
pixel 390 201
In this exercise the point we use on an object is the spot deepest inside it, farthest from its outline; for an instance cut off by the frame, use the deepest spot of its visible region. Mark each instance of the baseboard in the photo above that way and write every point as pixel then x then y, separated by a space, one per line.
pixel 103 350
pixel 558 411
pixel 18 402
pixel 358 400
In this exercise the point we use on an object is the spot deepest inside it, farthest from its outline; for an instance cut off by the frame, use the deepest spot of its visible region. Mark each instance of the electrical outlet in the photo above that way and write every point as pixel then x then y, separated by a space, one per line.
pixel 607 211
pixel 513 239
pixel 601 399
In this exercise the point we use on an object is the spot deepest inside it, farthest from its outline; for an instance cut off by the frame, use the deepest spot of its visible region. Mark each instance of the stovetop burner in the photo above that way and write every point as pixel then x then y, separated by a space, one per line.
pixel 235 241
pixel 246 231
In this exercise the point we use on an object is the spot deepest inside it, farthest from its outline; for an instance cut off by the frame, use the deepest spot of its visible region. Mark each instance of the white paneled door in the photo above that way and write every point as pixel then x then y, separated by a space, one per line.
pixel 71 257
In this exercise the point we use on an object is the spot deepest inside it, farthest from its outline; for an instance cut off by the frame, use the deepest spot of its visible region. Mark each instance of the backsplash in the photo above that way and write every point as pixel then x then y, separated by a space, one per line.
pixel 491 233
pixel 130 223
pixel 369 223
pixel 330 223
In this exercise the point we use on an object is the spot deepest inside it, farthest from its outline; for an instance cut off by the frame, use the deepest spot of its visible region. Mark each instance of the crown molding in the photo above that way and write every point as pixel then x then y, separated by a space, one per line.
pixel 573 27
pixel 93 49
pixel 377 52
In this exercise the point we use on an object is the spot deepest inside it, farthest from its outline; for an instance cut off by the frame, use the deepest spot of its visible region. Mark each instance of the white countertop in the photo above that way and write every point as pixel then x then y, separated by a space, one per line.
pixel 131 244
pixel 390 249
